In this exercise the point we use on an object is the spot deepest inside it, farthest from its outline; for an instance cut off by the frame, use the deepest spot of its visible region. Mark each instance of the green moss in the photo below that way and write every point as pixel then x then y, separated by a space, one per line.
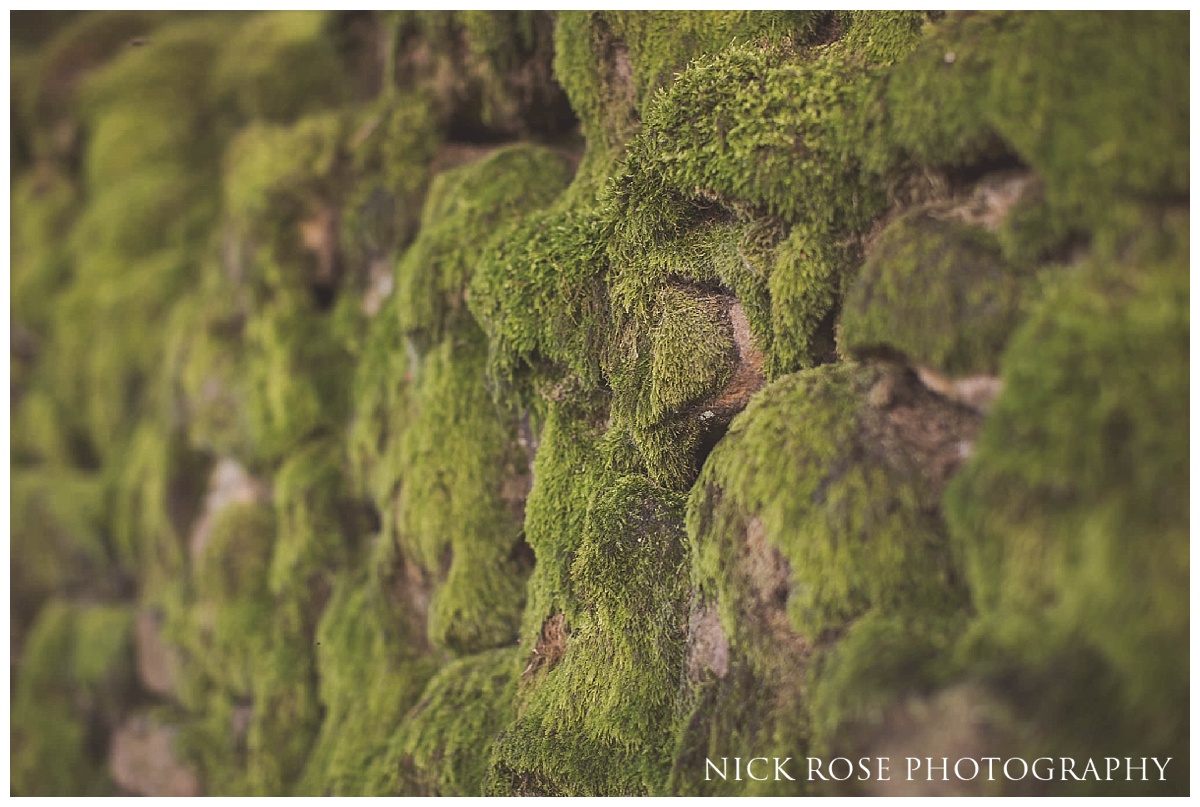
pixel 598 721
pixel 149 105
pixel 442 748
pixel 391 145
pixel 660 373
pixel 80 46
pixel 567 470
pixel 612 62
pixel 386 367
pixel 279 65
pixel 463 208
pixel 806 283
pixel 75 677
pixel 937 292
pixel 273 172
pixel 311 543
pixel 753 131
pixel 879 661
pixel 459 458
pixel 58 538
pixel 763 125
pixel 752 705
pixel 297 375
pixel 371 672
pixel 44 203
pixel 155 495
pixel 883 37
pixel 821 492
pixel 538 294
pixel 1055 106
pixel 1079 463
pixel 286 715
pixel 932 106
pixel 206 357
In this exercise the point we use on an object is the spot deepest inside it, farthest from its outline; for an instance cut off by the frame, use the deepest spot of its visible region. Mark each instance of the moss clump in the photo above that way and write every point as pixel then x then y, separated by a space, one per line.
pixel 154 500
pixel 881 660
pixel 383 376
pixel 1079 464
pixel 296 375
pixel 49 102
pixel 44 204
pixel 76 678
pixel 275 174
pixel 452 518
pixel 442 747
pixel 371 672
pixel 612 62
pixel 933 106
pixel 884 37
pixel 661 375
pixel 488 72
pixel 462 210
pixel 539 295
pixel 598 720
pixel 230 623
pixel 1055 106
pixel 721 145
pixel 732 126
pixel 58 539
pixel 391 144
pixel 315 522
pixel 937 292
pixel 150 104
pixel 279 65
pixel 205 352
pixel 818 493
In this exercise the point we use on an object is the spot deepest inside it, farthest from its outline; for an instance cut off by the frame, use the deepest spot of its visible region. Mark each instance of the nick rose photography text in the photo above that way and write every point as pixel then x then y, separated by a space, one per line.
pixel 930 769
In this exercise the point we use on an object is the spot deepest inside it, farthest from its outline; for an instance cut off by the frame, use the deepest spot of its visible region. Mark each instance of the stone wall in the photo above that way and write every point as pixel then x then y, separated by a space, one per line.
pixel 523 403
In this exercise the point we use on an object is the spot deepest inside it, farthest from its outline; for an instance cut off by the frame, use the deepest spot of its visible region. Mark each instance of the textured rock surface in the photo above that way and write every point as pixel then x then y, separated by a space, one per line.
pixel 517 403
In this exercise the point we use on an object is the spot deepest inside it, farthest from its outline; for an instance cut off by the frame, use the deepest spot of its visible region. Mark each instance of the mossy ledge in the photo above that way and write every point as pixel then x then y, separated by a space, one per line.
pixel 532 403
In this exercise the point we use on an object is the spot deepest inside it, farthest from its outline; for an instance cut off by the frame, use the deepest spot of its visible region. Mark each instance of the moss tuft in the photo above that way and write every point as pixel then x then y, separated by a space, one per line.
pixel 76 678
pixel 280 65
pixel 463 208
pixel 937 292
pixel 802 460
pixel 538 294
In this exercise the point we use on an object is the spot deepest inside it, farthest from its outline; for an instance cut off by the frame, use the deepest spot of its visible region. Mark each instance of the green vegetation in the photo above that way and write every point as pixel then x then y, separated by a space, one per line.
pixel 532 403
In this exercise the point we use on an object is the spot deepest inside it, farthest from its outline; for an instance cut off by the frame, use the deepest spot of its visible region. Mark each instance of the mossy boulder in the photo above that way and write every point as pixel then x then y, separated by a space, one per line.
pixel 934 292
pixel 1095 382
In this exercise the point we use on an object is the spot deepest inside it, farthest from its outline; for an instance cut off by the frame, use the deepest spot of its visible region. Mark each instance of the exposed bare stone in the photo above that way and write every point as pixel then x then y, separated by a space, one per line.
pixel 976 391
pixel 158 663
pixel 380 284
pixel 551 646
pixel 936 433
pixel 143 761
pixel 955 723
pixel 318 235
pixel 228 484
pixel 748 377
pixel 991 198
pixel 708 647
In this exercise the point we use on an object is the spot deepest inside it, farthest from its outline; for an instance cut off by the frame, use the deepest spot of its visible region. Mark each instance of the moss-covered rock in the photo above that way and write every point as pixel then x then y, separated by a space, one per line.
pixel 461 212
pixel 936 292
pixel 278 66
pixel 1078 467
pixel 563 454
pixel 77 678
